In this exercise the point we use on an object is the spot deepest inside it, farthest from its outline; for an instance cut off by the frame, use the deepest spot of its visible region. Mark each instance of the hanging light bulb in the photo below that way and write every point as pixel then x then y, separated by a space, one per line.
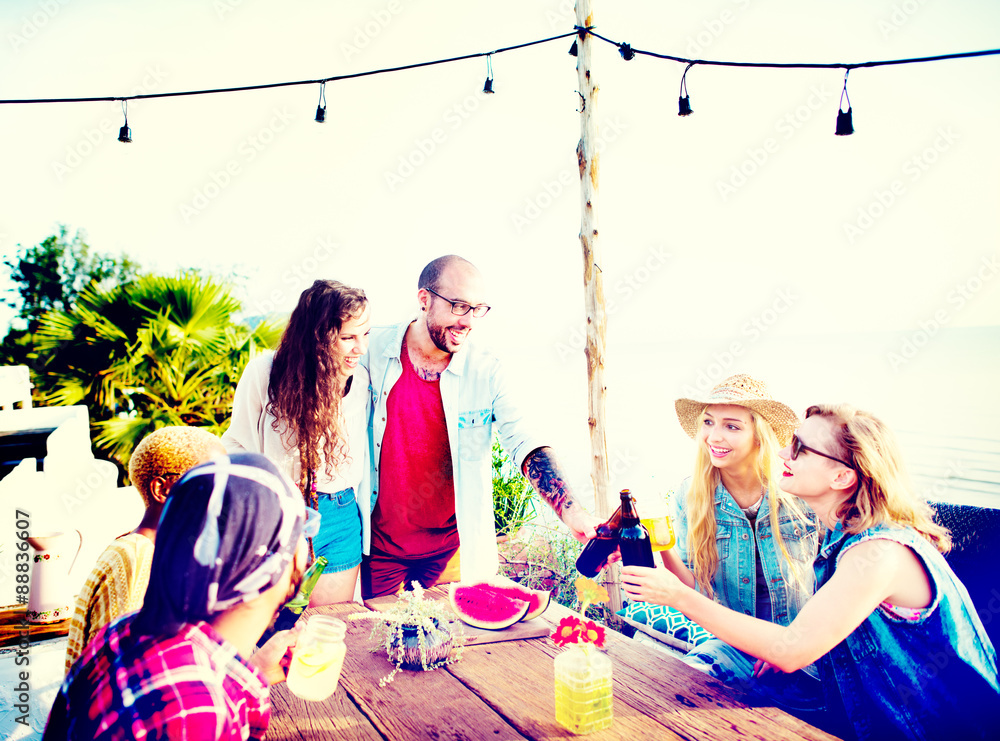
pixel 321 106
pixel 683 101
pixel 488 87
pixel 125 133
pixel 626 51
pixel 845 122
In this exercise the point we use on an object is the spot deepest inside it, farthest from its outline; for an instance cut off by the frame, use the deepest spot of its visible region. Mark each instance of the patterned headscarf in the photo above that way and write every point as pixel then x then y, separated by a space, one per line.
pixel 227 534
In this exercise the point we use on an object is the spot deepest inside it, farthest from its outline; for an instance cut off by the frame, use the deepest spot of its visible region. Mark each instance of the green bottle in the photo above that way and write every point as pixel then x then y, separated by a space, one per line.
pixel 292 609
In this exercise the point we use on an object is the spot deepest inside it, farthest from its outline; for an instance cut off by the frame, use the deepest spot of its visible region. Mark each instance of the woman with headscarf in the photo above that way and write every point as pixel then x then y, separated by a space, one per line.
pixel 230 550
pixel 306 407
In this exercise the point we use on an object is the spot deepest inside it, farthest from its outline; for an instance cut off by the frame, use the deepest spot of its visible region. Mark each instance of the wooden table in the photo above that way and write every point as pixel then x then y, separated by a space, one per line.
pixel 505 690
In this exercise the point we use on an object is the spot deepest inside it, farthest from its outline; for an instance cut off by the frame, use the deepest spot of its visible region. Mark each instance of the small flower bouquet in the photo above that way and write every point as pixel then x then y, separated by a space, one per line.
pixel 574 630
pixel 584 694
pixel 416 633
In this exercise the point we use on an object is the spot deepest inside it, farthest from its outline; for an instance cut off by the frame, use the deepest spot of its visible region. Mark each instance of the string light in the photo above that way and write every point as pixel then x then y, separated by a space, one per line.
pixel 488 87
pixel 683 102
pixel 845 122
pixel 125 133
pixel 321 106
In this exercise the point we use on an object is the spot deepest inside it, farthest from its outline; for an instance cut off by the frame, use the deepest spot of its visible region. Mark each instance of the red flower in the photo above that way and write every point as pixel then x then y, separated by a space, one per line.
pixel 593 633
pixel 574 630
pixel 568 631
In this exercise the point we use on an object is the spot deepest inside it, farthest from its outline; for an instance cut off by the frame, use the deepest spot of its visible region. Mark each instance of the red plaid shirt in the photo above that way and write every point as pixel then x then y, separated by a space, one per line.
pixel 189 686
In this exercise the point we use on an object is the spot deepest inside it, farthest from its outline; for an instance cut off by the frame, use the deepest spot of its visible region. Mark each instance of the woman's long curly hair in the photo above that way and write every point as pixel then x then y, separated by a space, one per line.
pixel 304 391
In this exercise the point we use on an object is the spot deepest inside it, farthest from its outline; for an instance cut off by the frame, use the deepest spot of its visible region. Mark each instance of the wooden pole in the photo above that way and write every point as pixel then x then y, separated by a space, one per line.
pixel 589 162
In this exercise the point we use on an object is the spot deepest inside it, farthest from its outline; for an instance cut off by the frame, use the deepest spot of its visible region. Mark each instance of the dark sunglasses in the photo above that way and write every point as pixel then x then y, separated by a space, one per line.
pixel 798 446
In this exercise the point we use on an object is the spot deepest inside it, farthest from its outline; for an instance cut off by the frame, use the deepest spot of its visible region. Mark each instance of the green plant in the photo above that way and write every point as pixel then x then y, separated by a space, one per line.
pixel 513 504
pixel 544 557
pixel 429 619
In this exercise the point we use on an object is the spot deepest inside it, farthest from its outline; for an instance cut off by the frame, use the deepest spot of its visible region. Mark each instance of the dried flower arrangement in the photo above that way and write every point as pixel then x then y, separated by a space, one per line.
pixel 415 633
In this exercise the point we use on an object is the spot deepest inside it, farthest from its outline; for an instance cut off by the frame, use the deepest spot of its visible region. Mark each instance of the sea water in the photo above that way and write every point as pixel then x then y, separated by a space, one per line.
pixel 943 402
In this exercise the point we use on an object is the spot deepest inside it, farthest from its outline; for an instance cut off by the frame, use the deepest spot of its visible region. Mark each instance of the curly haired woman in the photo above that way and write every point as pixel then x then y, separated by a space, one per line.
pixel 306 407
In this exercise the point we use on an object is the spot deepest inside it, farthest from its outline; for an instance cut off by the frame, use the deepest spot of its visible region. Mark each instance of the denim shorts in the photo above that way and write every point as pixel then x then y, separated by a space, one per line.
pixel 339 537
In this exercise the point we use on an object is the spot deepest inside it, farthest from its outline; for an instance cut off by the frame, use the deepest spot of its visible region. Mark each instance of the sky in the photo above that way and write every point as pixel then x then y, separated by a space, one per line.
pixel 747 223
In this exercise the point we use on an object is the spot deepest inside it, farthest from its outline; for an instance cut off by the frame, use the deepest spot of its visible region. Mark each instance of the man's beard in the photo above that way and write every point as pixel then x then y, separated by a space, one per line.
pixel 439 336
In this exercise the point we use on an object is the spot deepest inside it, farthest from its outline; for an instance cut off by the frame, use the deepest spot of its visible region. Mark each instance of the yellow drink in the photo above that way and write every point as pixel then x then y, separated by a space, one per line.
pixel 583 689
pixel 317 659
pixel 661 532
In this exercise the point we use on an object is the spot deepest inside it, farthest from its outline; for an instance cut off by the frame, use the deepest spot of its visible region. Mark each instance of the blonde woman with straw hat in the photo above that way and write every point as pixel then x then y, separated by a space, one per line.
pixel 740 539
pixel 901 648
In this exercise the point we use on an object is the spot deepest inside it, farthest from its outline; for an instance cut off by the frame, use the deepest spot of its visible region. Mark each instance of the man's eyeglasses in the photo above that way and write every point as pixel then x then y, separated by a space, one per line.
pixel 798 446
pixel 461 308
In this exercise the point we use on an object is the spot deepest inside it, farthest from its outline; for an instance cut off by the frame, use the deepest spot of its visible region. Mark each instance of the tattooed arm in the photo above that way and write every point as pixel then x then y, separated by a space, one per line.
pixel 543 471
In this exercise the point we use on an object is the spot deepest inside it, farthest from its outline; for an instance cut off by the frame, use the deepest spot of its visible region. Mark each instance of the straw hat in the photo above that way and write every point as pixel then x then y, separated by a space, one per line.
pixel 745 391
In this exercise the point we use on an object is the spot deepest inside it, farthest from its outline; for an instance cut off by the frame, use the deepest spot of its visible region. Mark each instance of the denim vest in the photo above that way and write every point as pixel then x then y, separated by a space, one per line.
pixel 735 579
pixel 931 678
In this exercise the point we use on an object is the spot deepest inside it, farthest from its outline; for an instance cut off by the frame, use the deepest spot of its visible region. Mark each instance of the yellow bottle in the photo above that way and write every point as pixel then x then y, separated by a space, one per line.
pixel 583 689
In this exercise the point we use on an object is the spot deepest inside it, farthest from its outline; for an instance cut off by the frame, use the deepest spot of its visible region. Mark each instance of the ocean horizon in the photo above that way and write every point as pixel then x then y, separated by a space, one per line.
pixel 938 394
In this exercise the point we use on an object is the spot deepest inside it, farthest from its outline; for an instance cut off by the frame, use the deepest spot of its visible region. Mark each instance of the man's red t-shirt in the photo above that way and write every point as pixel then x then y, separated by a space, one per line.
pixel 414 514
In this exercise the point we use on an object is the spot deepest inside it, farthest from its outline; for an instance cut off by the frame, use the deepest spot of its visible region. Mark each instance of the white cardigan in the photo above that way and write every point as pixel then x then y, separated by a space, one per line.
pixel 251 429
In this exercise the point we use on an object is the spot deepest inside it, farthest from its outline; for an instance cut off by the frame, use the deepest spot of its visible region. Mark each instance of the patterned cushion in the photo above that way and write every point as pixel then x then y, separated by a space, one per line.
pixel 665 624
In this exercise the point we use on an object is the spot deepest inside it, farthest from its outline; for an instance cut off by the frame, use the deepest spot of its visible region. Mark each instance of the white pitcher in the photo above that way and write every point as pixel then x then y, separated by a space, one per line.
pixel 49 596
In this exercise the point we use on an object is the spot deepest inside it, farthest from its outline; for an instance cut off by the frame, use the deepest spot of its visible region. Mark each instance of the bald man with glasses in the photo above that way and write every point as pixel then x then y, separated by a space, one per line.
pixel 437 400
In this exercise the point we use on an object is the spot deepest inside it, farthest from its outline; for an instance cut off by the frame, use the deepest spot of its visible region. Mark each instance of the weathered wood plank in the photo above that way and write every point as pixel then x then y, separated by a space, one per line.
pixel 415 705
pixel 691 704
pixel 502 673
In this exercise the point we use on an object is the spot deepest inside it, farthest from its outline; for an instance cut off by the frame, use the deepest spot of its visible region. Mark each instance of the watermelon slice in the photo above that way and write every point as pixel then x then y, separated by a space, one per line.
pixel 537 599
pixel 484 609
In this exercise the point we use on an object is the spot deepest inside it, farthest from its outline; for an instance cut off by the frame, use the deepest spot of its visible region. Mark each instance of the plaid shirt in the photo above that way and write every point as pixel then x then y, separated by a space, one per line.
pixel 192 685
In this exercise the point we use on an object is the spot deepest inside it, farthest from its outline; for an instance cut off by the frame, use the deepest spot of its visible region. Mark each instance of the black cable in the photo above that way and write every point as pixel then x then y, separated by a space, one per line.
pixel 293 83
pixel 577 30
pixel 802 65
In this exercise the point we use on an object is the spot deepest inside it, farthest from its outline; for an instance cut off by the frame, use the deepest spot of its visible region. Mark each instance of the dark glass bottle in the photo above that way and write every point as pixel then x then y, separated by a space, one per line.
pixel 637 550
pixel 292 610
pixel 595 554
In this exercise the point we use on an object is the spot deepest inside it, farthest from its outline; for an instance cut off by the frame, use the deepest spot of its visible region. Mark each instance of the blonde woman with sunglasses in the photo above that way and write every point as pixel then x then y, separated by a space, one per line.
pixel 901 649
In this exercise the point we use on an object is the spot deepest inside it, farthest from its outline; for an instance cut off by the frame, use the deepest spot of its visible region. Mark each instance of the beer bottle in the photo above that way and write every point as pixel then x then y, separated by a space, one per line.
pixel 595 554
pixel 292 610
pixel 637 550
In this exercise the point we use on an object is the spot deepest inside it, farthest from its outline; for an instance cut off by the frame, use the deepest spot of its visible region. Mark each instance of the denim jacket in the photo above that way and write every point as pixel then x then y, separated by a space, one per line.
pixel 930 678
pixel 477 400
pixel 735 580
